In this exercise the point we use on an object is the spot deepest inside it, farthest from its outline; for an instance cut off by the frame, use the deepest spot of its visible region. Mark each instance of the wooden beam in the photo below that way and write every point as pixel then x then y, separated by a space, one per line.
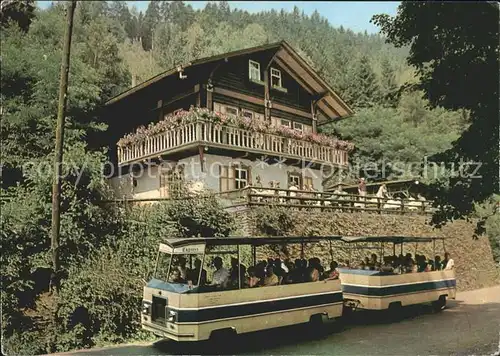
pixel 198 96
pixel 321 96
pixel 294 75
pixel 259 101
pixel 267 98
pixel 159 106
pixel 292 110
pixel 326 105
pixel 318 78
pixel 240 96
pixel 314 119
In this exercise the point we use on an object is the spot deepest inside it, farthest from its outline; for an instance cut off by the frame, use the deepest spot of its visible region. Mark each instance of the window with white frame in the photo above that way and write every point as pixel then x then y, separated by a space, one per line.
pixel 297 126
pixel 276 78
pixel 295 179
pixel 254 70
pixel 233 177
pixel 240 177
pixel 286 123
pixel 217 107
pixel 230 110
pixel 258 116
pixel 248 114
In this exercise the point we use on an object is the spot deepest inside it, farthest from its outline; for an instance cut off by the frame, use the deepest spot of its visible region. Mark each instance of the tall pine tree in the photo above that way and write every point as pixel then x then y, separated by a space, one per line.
pixel 365 89
pixel 388 85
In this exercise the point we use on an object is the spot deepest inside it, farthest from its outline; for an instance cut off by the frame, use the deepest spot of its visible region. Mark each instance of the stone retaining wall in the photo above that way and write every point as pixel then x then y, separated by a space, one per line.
pixel 474 263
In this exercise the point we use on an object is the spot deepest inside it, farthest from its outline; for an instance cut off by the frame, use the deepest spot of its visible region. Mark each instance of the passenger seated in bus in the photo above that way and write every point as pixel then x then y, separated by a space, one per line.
pixel 333 273
pixel 175 276
pixel 312 271
pixel 278 270
pixel 252 280
pixel 438 265
pixel 366 263
pixel 182 268
pixel 387 266
pixel 221 275
pixel 410 266
pixel 178 265
pixel 430 266
pixel 290 266
pixel 260 270
pixel 448 262
pixel 271 278
pixel 421 263
pixel 296 274
pixel 194 274
pixel 233 273
pixel 362 265
pixel 318 266
pixel 285 265
pixel 373 262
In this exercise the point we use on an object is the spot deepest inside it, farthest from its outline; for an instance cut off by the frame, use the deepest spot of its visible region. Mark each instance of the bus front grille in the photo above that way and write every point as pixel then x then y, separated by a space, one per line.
pixel 159 310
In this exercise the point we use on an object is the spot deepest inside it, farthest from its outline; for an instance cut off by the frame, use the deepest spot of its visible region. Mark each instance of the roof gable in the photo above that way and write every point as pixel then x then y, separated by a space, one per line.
pixel 286 57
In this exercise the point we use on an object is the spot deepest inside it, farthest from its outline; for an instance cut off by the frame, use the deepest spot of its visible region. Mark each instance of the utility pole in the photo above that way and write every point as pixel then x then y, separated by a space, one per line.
pixel 61 112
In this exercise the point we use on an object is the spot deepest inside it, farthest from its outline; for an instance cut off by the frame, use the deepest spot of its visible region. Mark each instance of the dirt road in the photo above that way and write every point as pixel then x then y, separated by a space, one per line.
pixel 469 325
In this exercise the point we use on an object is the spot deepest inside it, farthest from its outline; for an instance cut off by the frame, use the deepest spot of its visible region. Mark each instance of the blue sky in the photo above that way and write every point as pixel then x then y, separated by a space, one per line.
pixel 350 14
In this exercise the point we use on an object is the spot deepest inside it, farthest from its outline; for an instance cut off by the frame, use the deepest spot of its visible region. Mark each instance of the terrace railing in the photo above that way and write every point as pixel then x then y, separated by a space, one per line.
pixel 334 201
pixel 215 135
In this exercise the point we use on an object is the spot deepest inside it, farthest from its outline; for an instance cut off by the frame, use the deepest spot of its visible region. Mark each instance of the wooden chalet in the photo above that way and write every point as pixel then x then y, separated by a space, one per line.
pixel 270 84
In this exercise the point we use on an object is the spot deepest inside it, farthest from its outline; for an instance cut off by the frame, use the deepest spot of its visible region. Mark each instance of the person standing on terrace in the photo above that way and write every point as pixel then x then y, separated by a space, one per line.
pixel 362 187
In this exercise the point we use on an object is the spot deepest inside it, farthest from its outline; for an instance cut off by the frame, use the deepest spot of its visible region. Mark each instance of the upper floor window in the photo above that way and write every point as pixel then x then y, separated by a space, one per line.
pixel 276 78
pixel 247 113
pixel 286 123
pixel 254 70
pixel 231 110
pixel 298 126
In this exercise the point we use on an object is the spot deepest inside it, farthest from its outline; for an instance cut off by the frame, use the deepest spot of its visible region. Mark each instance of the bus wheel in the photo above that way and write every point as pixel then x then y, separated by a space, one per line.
pixel 395 311
pixel 223 336
pixel 439 304
pixel 347 312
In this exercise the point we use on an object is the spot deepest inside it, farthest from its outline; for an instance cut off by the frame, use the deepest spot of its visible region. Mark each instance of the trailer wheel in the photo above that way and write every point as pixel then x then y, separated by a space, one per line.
pixel 439 304
pixel 318 320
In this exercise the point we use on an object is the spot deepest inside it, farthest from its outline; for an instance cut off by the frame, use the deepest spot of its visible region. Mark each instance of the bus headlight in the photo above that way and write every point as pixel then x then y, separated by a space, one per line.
pixel 146 307
pixel 172 316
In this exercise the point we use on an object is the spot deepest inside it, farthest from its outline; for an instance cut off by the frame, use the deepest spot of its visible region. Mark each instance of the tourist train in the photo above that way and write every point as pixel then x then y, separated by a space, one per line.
pixel 202 289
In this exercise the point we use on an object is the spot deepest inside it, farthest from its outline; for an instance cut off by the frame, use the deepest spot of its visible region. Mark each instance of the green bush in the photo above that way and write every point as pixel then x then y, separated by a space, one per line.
pixel 274 221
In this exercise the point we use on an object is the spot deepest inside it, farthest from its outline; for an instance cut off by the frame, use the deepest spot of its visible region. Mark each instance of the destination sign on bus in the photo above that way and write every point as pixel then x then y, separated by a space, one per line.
pixel 191 249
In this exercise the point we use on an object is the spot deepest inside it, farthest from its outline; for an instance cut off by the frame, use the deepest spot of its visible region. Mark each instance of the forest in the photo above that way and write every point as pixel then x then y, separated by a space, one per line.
pixel 115 47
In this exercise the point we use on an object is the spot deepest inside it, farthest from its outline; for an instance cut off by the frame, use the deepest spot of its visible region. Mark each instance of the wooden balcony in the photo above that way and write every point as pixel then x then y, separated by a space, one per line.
pixel 228 137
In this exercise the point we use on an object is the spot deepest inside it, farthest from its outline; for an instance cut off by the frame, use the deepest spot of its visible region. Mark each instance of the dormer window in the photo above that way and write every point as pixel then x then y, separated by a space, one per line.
pixel 276 78
pixel 254 71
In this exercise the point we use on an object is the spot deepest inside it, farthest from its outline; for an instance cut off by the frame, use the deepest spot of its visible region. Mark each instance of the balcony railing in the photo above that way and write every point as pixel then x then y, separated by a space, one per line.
pixel 215 135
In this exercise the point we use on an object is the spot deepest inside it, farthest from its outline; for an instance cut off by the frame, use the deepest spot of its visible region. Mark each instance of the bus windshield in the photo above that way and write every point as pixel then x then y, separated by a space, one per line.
pixel 180 268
